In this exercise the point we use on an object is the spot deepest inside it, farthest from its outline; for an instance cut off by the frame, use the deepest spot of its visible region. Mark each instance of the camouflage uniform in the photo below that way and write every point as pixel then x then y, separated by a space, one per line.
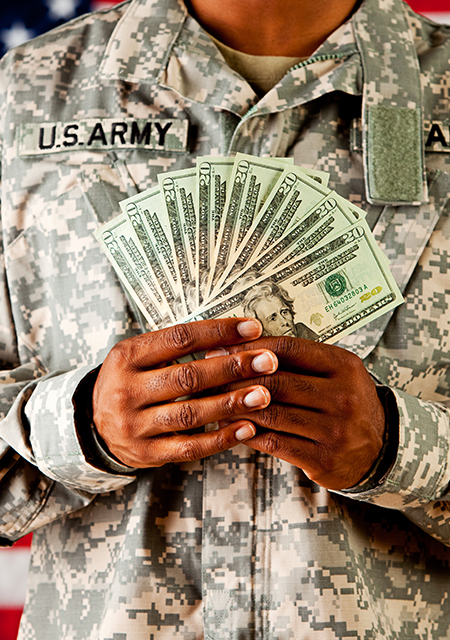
pixel 240 545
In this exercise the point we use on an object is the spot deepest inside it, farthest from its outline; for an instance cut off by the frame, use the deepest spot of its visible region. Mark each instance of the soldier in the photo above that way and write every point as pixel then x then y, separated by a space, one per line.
pixel 319 508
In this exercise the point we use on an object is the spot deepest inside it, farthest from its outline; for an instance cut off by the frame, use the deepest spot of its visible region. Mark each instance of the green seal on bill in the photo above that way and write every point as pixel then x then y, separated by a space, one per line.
pixel 335 285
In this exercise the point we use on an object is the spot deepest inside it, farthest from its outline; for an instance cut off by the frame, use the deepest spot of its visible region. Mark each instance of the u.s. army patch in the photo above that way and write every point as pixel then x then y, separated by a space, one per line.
pixel 102 134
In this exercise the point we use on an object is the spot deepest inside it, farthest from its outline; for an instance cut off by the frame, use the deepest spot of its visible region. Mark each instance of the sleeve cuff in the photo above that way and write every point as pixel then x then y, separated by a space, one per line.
pixel 59 445
pixel 376 475
pixel 95 449
pixel 420 472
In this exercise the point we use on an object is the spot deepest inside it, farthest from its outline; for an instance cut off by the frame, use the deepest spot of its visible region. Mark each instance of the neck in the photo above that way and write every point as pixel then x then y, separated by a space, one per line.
pixel 272 27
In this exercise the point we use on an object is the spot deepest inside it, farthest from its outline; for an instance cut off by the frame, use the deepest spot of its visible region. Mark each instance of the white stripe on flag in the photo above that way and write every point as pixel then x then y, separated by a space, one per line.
pixel 438 16
pixel 13 576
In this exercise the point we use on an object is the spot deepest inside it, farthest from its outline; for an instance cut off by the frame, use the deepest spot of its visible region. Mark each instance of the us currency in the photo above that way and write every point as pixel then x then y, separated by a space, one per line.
pixel 144 211
pixel 151 239
pixel 291 198
pixel 115 237
pixel 322 177
pixel 213 177
pixel 323 295
pixel 178 190
pixel 251 182
pixel 327 219
pixel 330 217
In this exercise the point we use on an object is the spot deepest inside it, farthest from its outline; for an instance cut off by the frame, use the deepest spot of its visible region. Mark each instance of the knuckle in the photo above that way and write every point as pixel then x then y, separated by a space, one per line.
pixel 122 426
pixel 222 441
pixel 298 421
pixel 187 378
pixel 149 453
pixel 221 331
pixel 346 402
pixel 190 450
pixel 352 363
pixel 287 346
pixel 272 443
pixel 186 416
pixel 304 385
pixel 121 355
pixel 273 416
pixel 113 429
pixel 180 338
pixel 273 383
pixel 156 383
pixel 162 420
pixel 235 367
pixel 327 461
pixel 231 405
pixel 138 453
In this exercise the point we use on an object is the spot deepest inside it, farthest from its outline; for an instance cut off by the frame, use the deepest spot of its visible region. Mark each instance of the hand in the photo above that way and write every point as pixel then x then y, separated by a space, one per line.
pixel 134 408
pixel 325 416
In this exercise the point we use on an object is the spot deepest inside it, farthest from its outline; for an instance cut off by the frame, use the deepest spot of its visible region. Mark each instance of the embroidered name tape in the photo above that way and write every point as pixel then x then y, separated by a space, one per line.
pixel 103 133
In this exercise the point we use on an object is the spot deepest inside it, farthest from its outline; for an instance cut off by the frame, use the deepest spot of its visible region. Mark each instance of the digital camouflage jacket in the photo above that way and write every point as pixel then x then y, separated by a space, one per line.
pixel 240 546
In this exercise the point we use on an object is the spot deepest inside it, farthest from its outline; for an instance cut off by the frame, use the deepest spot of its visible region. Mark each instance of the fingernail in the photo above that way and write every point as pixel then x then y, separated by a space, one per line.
pixel 214 353
pixel 250 329
pixel 244 433
pixel 264 363
pixel 255 398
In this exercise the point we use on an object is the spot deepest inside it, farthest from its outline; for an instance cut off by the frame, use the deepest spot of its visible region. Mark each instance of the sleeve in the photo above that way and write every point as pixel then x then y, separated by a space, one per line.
pixel 45 471
pixel 417 483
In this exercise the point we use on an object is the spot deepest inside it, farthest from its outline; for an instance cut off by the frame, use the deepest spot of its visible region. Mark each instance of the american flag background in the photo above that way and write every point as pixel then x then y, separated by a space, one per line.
pixel 21 20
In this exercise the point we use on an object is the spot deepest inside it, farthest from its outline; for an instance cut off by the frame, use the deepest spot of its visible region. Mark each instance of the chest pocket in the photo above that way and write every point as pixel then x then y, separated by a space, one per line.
pixel 402 233
pixel 67 304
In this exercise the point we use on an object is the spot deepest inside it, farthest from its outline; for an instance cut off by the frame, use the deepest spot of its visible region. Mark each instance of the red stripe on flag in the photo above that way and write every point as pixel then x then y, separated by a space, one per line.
pixel 10 617
pixel 428 6
pixel 9 623
pixel 24 542
pixel 97 5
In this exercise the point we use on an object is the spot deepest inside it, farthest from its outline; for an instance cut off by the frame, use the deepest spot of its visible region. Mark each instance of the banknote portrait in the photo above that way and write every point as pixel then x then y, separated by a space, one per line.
pixel 274 308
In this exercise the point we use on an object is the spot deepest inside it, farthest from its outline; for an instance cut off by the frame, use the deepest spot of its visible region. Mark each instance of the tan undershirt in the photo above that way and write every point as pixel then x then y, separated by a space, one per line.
pixel 261 72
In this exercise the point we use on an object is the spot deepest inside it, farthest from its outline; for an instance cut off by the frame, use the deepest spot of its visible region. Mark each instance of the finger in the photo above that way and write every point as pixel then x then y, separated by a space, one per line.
pixel 308 391
pixel 190 378
pixel 288 420
pixel 325 466
pixel 151 349
pixel 179 448
pixel 302 355
pixel 319 426
pixel 190 414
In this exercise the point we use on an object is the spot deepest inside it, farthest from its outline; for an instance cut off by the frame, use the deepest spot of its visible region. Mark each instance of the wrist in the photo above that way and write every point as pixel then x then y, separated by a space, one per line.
pixel 94 448
pixel 388 454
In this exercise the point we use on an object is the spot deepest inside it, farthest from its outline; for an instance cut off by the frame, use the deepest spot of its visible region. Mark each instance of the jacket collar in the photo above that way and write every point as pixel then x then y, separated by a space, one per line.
pixel 157 41
pixel 141 44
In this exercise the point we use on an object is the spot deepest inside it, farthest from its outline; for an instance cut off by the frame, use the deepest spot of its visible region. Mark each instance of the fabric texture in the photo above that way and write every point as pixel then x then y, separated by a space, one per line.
pixel 241 545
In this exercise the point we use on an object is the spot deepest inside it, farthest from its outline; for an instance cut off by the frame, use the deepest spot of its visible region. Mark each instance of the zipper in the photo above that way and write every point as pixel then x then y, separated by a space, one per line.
pixel 322 58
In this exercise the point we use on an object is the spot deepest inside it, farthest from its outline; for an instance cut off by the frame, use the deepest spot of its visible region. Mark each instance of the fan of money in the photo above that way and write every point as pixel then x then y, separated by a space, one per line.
pixel 249 236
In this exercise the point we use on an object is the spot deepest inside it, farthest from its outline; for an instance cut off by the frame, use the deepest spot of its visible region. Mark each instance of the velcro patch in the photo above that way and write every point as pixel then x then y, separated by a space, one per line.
pixel 103 133
pixel 436 135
